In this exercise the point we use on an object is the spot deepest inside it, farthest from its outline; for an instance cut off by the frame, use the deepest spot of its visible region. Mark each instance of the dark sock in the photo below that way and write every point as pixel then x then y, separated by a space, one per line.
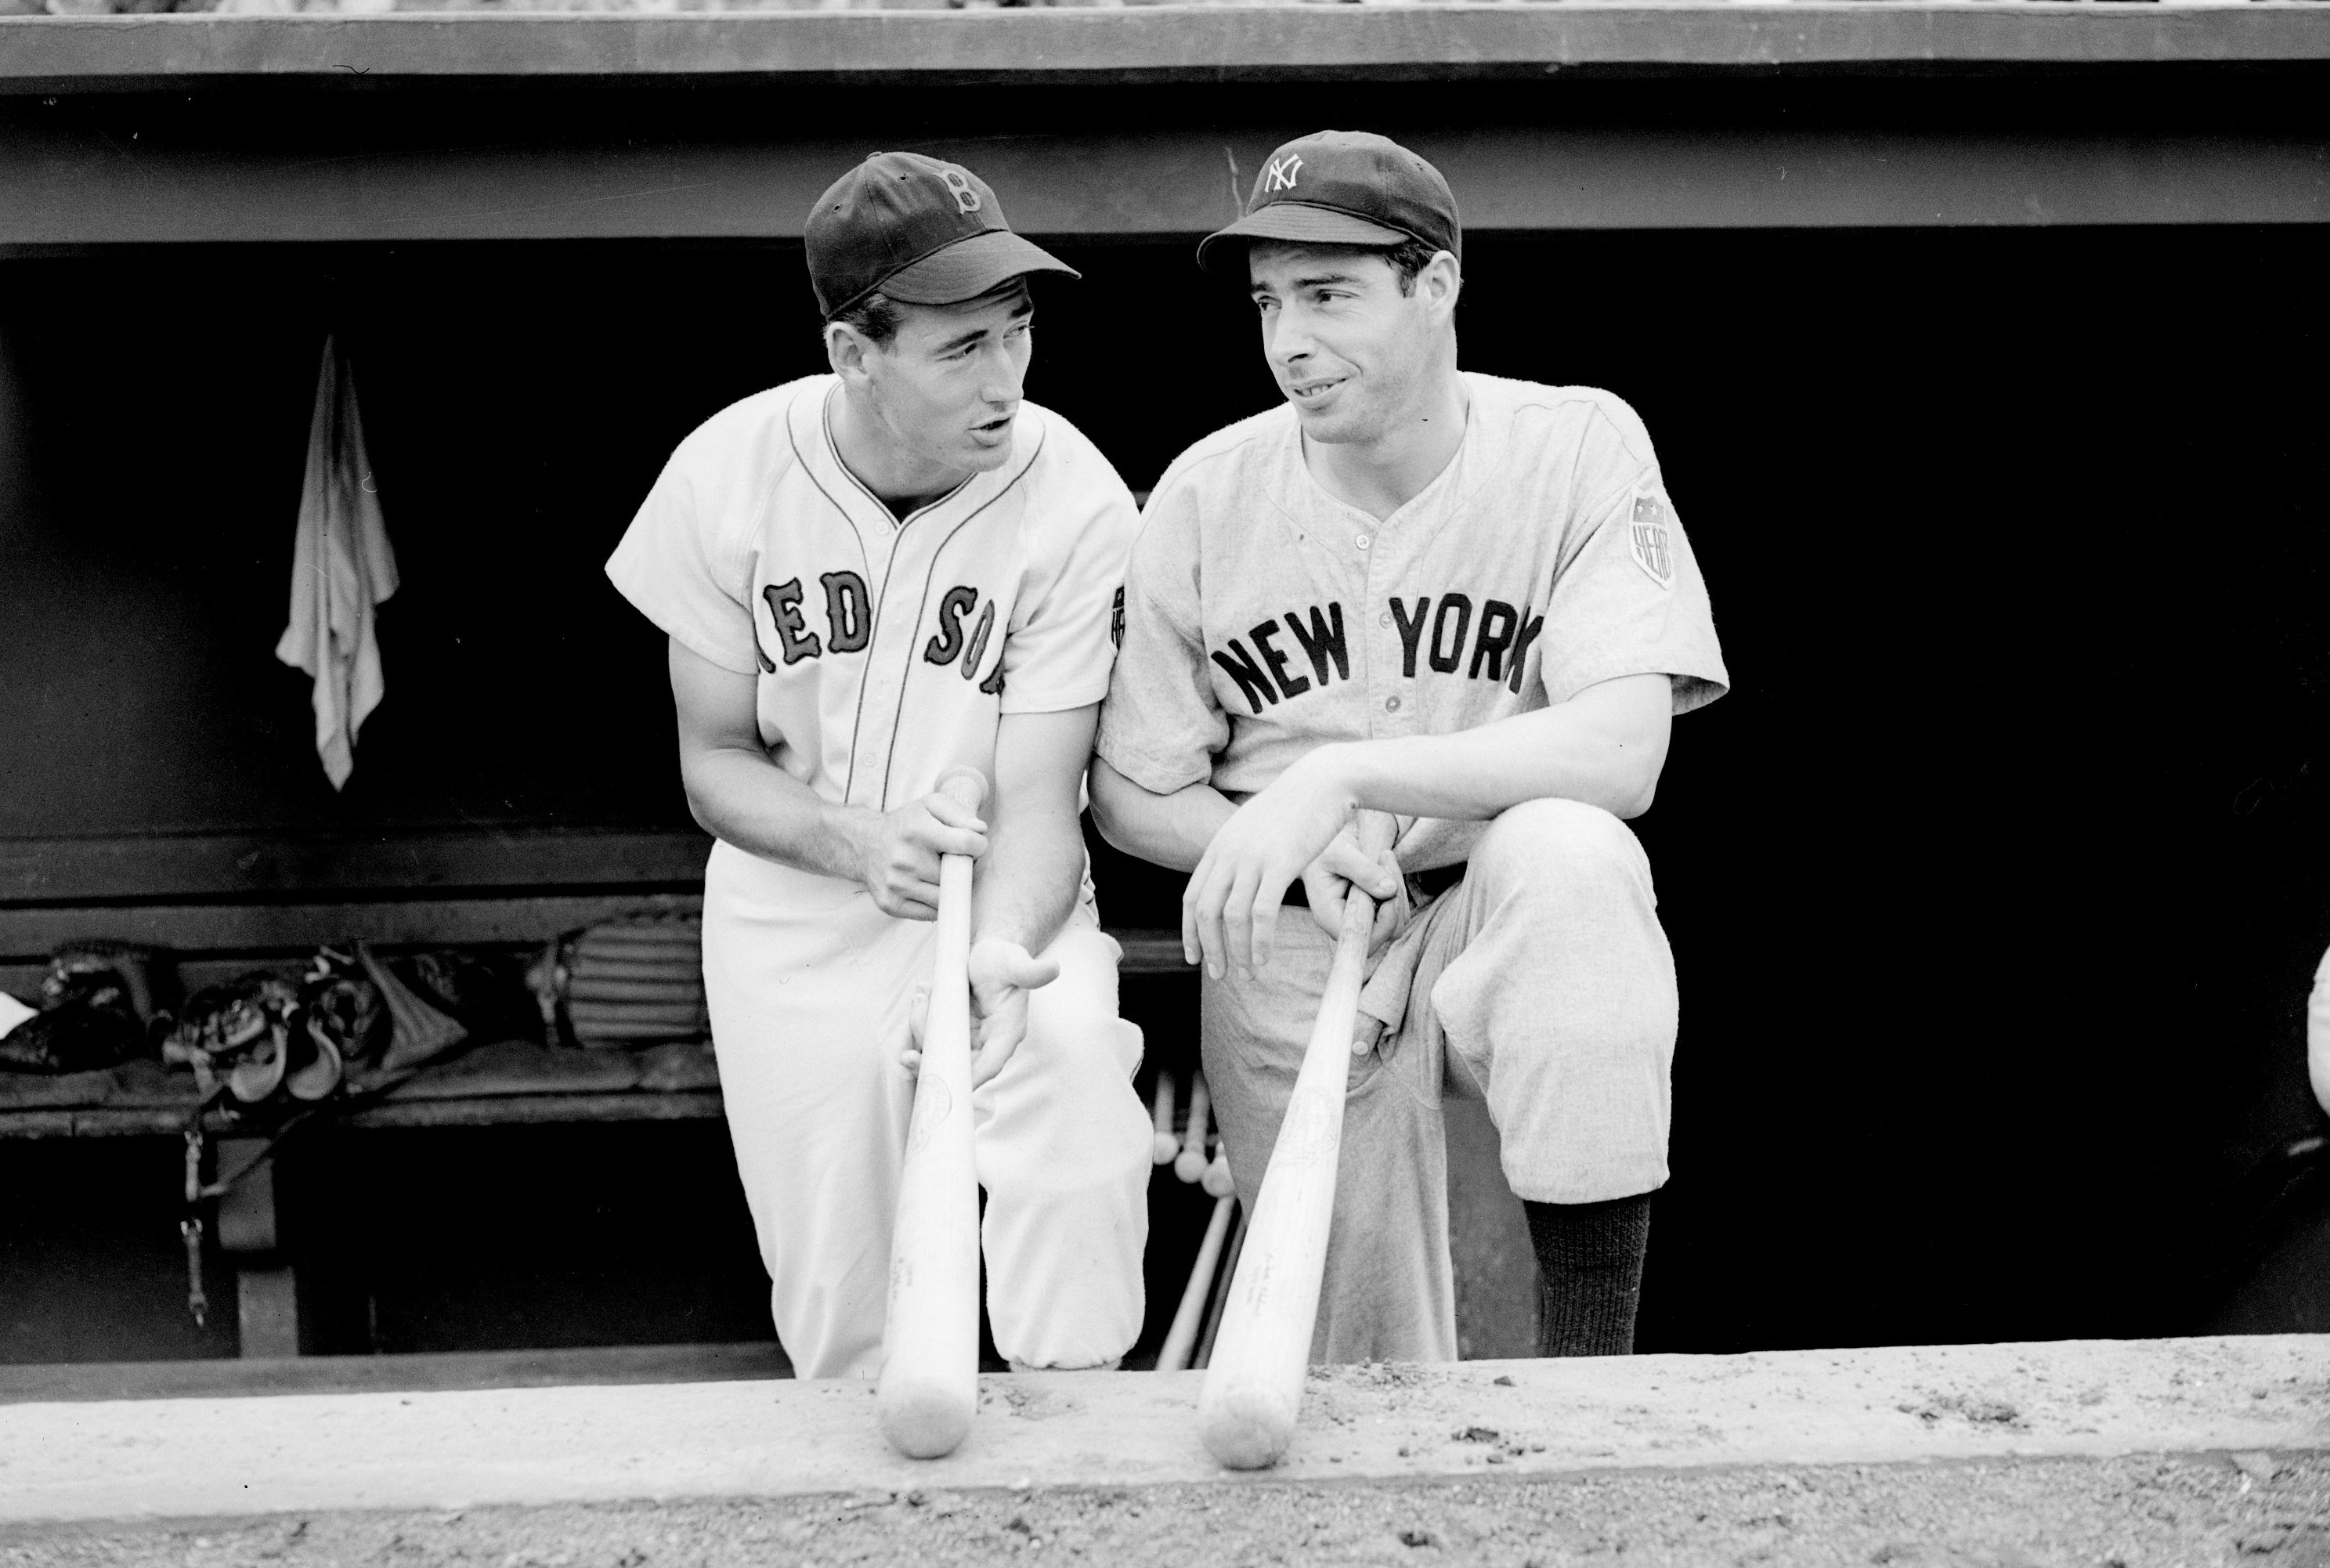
pixel 1589 1265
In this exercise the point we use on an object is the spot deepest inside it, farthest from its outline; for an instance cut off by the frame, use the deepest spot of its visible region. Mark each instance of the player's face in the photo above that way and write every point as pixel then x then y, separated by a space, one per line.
pixel 947 387
pixel 1350 350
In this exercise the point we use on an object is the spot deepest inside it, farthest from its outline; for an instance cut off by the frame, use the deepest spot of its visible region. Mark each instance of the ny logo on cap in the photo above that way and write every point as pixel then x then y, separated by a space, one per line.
pixel 966 200
pixel 1280 175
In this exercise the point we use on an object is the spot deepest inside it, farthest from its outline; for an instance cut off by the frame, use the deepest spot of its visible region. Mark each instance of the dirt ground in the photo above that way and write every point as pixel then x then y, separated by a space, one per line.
pixel 2265 1510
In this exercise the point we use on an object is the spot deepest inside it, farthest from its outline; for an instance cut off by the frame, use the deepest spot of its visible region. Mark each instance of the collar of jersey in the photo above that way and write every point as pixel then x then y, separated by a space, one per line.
pixel 832 454
pixel 1307 487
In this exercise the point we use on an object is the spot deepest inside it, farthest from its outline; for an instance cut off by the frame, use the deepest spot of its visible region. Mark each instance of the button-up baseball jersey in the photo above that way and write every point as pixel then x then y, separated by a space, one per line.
pixel 1264 617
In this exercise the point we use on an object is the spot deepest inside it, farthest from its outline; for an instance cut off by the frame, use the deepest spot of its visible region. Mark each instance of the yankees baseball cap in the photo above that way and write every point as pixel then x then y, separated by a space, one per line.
pixel 921 231
pixel 1340 187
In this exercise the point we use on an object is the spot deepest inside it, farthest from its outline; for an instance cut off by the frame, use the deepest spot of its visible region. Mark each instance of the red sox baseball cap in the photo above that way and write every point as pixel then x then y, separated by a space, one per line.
pixel 921 231
pixel 1341 188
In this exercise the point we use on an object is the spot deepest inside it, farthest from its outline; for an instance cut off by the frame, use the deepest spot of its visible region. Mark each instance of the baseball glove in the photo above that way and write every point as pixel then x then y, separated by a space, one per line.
pixel 624 983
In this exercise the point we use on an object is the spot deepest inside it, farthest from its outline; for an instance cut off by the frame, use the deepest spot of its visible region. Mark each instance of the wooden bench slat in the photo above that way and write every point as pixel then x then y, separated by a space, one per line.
pixel 29 934
pixel 71 870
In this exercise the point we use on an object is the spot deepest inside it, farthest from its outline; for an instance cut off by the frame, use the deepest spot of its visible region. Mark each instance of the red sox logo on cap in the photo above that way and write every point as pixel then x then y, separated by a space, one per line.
pixel 1341 188
pixel 918 229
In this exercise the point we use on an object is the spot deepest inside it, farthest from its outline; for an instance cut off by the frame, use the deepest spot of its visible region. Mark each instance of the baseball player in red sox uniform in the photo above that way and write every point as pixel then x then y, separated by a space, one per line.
pixel 869 577
pixel 1465 601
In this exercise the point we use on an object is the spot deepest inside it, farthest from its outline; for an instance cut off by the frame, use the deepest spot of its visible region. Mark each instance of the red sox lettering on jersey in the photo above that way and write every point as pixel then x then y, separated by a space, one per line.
pixel 850 626
pixel 758 550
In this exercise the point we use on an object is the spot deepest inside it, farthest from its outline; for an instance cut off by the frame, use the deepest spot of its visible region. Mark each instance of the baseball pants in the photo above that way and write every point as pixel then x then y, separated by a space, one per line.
pixel 1541 983
pixel 810 986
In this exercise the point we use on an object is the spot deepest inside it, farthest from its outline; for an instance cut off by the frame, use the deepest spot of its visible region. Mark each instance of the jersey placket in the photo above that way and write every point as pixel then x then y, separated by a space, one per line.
pixel 890 655
pixel 1373 552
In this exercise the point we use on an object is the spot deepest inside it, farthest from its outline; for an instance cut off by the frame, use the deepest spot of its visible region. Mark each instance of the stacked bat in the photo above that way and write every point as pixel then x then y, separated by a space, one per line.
pixel 1196 1153
pixel 1188 1155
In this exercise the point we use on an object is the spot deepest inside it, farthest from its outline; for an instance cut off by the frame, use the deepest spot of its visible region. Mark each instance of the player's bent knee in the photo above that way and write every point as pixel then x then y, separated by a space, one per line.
pixel 1542 840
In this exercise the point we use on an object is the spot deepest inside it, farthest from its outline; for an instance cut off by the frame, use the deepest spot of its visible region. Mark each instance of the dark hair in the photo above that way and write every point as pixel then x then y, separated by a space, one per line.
pixel 875 317
pixel 1408 258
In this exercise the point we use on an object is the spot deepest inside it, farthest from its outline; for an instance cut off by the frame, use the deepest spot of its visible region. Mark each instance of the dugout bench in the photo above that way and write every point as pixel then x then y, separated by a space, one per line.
pixel 485 1084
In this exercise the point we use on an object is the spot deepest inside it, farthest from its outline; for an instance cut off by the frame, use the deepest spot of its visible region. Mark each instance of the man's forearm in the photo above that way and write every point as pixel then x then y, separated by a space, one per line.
pixel 1171 830
pixel 1605 749
pixel 743 798
pixel 1029 877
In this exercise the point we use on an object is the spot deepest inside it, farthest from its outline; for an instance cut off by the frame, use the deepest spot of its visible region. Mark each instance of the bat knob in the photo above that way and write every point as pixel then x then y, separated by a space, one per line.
pixel 1190 1165
pixel 966 786
pixel 1162 1148
pixel 1217 1179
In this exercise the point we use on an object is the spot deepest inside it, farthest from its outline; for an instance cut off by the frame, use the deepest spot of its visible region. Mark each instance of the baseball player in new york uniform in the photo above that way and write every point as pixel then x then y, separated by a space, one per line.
pixel 869 577
pixel 1465 601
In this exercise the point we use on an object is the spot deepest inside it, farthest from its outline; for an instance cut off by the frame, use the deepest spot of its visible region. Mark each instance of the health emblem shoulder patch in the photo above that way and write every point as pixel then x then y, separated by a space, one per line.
pixel 1650 536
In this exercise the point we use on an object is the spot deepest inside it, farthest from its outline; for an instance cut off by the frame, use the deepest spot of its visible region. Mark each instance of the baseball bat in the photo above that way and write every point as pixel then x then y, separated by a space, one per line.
pixel 1164 1146
pixel 1182 1338
pixel 930 1379
pixel 1227 1272
pixel 1254 1385
pixel 1217 1181
pixel 1190 1163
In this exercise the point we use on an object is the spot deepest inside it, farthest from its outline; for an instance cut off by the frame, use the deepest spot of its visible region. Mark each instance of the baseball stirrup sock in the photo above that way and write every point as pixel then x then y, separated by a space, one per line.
pixel 1589 1264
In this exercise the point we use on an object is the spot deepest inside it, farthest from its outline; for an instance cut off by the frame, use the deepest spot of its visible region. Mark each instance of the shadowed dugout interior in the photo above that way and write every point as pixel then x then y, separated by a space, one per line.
pixel 1995 883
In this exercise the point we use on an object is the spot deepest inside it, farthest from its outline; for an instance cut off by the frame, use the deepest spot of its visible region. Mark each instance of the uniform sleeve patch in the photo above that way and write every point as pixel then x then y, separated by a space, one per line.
pixel 1650 537
pixel 1116 618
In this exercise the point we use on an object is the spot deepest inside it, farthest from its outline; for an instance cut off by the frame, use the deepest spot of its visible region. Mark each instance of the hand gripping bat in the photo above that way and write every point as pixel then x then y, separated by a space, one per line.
pixel 1254 1385
pixel 930 1380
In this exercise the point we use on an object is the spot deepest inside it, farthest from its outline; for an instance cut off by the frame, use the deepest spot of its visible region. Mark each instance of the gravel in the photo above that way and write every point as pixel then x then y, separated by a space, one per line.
pixel 2264 1510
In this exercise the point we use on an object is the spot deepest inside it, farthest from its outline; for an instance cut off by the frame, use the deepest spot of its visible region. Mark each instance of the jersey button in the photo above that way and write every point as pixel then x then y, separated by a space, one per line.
pixel 1391 704
pixel 1361 541
pixel 1384 619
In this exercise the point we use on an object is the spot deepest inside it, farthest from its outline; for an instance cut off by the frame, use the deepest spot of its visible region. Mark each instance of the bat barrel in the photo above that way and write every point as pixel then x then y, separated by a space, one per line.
pixel 1254 1385
pixel 929 1387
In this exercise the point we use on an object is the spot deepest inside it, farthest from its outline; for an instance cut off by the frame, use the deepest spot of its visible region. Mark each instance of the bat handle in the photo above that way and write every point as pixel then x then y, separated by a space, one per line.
pixel 1375 831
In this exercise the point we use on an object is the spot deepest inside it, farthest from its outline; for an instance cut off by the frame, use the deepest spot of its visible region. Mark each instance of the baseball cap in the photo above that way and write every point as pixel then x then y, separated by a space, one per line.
pixel 1341 188
pixel 922 230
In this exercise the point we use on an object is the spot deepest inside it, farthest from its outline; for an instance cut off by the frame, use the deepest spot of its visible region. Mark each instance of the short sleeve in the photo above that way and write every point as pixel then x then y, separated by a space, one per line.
pixel 1629 599
pixel 1057 656
pixel 670 566
pixel 1161 727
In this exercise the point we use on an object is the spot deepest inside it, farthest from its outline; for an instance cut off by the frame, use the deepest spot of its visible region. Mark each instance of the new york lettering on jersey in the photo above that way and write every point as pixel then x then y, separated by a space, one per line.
pixel 1442 634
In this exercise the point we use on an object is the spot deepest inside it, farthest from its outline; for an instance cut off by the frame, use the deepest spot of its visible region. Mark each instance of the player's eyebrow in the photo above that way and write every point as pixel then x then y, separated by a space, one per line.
pixel 1319 281
pixel 1027 309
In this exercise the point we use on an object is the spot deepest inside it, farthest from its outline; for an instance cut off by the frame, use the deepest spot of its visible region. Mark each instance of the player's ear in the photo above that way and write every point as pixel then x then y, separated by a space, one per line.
pixel 846 349
pixel 1441 280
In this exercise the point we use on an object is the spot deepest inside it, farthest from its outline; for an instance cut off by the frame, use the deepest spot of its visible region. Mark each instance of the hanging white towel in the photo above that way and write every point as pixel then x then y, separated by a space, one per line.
pixel 341 566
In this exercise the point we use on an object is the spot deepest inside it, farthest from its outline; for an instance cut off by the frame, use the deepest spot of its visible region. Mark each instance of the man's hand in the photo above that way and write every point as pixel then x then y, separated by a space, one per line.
pixel 1328 880
pixel 1229 912
pixel 1001 975
pixel 896 853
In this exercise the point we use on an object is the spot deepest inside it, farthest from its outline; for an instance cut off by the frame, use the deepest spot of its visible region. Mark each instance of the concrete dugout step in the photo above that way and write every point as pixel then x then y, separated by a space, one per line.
pixel 211 1456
